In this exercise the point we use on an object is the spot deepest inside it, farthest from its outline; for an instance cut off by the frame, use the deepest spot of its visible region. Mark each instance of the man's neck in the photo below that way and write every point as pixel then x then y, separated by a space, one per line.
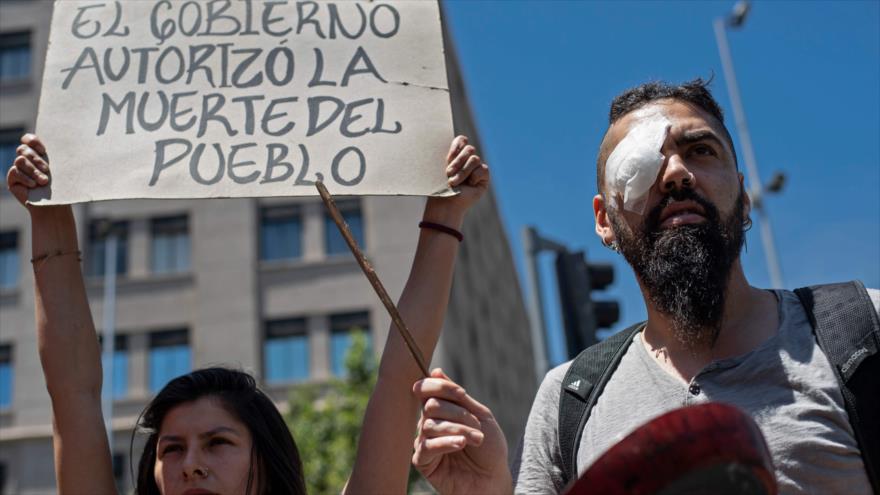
pixel 750 317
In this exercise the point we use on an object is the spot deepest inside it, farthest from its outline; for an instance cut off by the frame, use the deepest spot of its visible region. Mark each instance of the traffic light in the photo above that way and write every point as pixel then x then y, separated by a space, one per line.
pixel 581 315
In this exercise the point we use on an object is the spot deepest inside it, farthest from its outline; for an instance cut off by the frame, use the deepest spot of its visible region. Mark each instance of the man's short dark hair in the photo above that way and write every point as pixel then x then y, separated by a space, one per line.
pixel 695 92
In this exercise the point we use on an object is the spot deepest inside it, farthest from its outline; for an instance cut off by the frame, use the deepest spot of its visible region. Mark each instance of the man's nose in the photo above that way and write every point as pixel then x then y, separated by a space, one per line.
pixel 676 175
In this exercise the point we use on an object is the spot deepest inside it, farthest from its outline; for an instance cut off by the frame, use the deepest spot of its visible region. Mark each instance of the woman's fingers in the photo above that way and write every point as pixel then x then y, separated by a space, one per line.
pixel 438 385
pixel 443 410
pixel 29 168
pixel 33 141
pixel 16 177
pixel 479 177
pixel 443 389
pixel 450 420
pixel 436 428
pixel 430 451
pixel 455 147
pixel 456 164
pixel 25 165
pixel 473 163
pixel 34 155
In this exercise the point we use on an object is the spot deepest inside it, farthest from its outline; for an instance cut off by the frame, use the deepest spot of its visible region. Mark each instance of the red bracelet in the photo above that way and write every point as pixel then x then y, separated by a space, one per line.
pixel 441 228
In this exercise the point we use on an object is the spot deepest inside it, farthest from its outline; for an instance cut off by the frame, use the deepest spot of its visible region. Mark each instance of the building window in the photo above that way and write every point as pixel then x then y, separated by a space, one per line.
pixel 280 233
pixel 10 139
pixel 6 376
pixel 342 327
pixel 170 245
pixel 15 56
pixel 99 231
pixel 351 212
pixel 120 365
pixel 169 357
pixel 9 262
pixel 286 351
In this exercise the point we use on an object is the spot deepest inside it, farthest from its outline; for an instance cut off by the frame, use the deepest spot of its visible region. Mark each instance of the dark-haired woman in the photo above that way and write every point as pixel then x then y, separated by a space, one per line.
pixel 248 446
pixel 213 430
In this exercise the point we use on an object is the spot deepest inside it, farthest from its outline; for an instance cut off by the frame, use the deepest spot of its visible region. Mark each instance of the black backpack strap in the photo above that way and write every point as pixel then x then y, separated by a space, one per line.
pixel 582 385
pixel 848 331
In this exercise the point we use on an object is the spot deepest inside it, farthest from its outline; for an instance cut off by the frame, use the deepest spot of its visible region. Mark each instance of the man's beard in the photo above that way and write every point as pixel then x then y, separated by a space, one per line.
pixel 685 269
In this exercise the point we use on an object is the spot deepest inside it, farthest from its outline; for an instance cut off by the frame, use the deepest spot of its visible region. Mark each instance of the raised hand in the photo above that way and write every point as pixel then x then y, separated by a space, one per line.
pixel 30 168
pixel 466 171
pixel 460 447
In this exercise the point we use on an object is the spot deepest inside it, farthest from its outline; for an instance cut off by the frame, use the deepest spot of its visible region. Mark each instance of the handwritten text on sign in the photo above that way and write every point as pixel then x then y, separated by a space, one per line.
pixel 230 98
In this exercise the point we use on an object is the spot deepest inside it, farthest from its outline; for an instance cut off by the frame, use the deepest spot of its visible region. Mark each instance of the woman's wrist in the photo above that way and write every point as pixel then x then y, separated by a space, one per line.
pixel 53 229
pixel 440 211
pixel 48 214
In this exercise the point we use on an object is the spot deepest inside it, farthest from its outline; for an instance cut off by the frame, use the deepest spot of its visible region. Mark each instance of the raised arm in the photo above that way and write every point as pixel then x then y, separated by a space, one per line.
pixel 68 347
pixel 386 442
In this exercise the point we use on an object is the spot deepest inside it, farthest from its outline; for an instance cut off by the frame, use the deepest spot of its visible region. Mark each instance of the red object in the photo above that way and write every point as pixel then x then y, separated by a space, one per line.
pixel 707 448
pixel 442 228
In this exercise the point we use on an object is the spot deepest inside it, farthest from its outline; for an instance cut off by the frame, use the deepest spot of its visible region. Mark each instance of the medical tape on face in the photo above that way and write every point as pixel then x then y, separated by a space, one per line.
pixel 632 167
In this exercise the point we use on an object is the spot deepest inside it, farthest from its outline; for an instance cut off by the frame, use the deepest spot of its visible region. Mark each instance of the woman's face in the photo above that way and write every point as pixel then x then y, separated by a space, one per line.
pixel 202 449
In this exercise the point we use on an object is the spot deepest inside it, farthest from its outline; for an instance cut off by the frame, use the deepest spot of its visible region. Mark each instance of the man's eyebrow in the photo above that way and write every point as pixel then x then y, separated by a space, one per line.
pixel 690 137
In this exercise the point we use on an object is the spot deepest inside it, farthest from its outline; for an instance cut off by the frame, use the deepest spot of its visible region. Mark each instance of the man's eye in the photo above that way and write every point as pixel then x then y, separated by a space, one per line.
pixel 703 150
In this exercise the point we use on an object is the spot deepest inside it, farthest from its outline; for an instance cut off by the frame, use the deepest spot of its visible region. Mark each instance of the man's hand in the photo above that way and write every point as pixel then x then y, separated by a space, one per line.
pixel 460 448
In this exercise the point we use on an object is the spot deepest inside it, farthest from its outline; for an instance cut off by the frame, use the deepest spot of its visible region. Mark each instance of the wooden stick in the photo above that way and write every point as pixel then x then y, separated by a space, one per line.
pixel 373 278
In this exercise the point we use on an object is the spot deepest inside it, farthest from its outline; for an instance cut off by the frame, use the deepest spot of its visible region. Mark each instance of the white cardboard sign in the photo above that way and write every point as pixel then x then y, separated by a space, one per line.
pixel 243 98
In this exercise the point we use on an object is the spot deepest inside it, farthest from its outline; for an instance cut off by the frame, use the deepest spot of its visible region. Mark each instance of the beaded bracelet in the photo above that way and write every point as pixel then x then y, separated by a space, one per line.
pixel 442 228
pixel 39 261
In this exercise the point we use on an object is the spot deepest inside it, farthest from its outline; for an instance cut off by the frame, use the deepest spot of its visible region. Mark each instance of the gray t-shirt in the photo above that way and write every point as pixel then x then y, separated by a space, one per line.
pixel 786 385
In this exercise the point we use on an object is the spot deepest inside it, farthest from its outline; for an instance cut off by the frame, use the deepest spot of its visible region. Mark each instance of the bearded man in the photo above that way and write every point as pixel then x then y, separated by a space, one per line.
pixel 671 201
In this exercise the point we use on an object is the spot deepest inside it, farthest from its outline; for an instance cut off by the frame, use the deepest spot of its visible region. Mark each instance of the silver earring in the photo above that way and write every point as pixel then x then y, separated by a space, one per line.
pixel 613 245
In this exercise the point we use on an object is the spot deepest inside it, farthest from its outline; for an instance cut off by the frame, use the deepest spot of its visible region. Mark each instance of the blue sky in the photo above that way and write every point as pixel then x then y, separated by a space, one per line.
pixel 541 75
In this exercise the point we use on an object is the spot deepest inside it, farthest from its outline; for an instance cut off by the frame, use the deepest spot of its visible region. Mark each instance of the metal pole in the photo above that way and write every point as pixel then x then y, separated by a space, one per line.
pixel 756 189
pixel 109 324
pixel 536 303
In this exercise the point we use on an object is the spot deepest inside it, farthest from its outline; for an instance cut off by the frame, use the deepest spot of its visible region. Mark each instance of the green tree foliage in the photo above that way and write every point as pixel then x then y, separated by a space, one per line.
pixel 326 419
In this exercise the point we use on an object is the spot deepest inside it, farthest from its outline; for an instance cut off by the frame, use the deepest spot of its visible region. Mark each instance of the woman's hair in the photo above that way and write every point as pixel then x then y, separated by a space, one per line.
pixel 274 453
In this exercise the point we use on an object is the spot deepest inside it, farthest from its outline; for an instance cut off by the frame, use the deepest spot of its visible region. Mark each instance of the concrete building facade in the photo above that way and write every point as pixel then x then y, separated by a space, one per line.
pixel 203 282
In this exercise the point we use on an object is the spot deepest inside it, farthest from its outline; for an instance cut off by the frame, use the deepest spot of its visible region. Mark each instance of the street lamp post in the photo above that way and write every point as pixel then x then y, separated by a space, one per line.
pixel 756 191
pixel 534 244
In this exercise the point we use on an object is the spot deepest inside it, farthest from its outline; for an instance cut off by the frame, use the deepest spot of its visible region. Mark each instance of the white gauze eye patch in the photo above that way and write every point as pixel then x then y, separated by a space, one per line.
pixel 632 167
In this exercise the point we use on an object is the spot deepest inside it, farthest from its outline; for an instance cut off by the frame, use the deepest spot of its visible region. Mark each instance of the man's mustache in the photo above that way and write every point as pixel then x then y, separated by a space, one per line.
pixel 652 220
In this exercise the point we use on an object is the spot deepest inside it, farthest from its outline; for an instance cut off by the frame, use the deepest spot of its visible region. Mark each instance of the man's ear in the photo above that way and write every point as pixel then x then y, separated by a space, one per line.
pixel 603 223
pixel 747 199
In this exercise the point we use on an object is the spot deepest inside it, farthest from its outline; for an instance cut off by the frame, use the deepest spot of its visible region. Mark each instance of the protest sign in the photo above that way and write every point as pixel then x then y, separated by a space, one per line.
pixel 243 98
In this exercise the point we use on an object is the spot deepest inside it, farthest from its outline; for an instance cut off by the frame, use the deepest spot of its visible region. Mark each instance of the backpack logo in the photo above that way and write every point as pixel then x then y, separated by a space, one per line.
pixel 579 386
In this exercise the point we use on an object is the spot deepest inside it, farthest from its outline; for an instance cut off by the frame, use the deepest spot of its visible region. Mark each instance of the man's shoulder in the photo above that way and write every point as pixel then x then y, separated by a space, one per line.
pixel 537 464
pixel 551 386
pixel 552 382
pixel 873 294
pixel 875 298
